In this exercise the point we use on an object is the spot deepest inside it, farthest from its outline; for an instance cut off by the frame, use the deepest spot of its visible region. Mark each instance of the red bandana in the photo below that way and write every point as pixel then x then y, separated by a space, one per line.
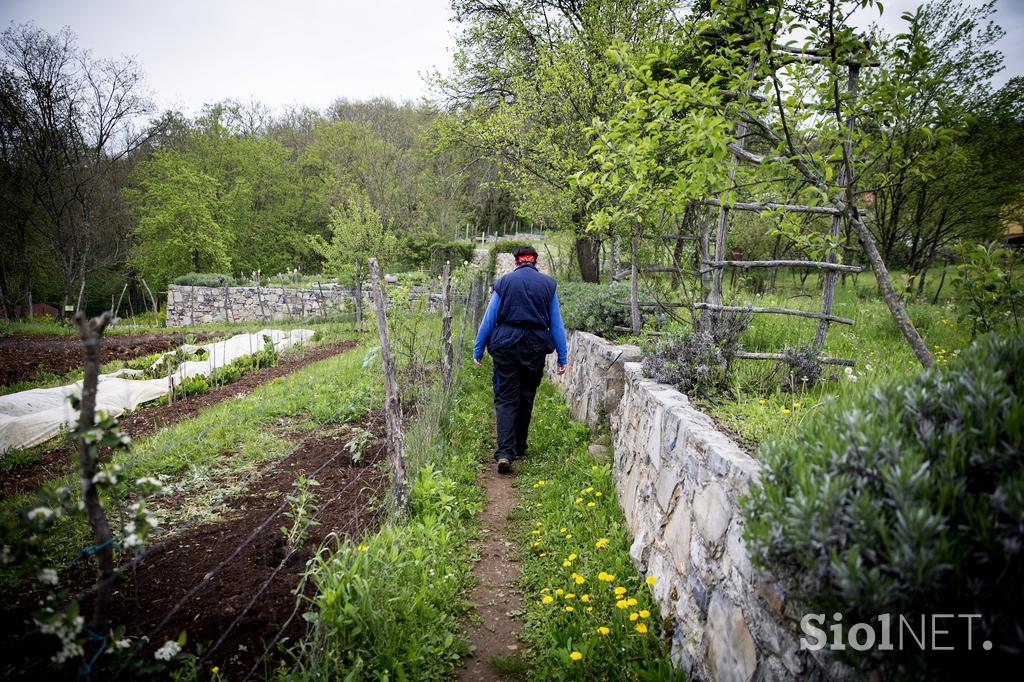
pixel 526 258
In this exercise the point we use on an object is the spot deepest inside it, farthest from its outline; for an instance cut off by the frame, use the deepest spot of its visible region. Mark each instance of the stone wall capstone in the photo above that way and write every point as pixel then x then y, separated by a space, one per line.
pixel 679 480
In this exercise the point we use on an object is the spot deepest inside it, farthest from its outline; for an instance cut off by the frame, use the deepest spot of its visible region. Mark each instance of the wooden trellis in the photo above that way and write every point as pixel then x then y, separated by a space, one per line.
pixel 716 263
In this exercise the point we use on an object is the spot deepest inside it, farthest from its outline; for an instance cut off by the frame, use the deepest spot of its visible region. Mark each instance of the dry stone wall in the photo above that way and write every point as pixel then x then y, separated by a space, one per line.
pixel 188 305
pixel 679 480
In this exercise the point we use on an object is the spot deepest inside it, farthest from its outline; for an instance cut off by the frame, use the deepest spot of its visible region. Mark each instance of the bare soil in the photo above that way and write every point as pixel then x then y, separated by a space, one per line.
pixel 196 582
pixel 58 461
pixel 21 355
pixel 496 598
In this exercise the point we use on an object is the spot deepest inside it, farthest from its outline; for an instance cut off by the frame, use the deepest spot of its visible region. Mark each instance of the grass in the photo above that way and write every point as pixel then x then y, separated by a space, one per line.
pixel 589 615
pixel 214 455
pixel 144 325
pixel 759 409
pixel 389 605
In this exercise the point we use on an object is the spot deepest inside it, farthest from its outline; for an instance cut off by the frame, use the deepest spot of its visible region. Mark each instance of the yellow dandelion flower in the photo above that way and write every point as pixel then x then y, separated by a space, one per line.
pixel 590 489
pixel 562 529
pixel 620 591
pixel 536 532
pixel 651 580
pixel 570 595
pixel 569 609
pixel 785 410
pixel 543 554
pixel 545 589
pixel 641 628
pixel 215 669
pixel 590 608
pixel 548 599
pixel 585 598
pixel 644 613
pixel 363 548
pixel 575 655
pixel 607 577
pixel 578 500
pixel 559 591
pixel 566 564
pixel 634 616
pixel 796 405
pixel 760 402
pixel 590 504
pixel 622 603
pixel 603 631
pixel 568 536
pixel 580 580
pixel 631 602
pixel 572 557
pixel 598 494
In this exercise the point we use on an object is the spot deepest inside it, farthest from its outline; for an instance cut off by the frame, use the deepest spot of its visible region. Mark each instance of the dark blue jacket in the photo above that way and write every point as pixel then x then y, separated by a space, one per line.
pixel 524 301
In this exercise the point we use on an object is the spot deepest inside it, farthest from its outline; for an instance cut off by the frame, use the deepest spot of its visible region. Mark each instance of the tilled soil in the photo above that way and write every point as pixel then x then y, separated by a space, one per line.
pixel 21 355
pixel 59 461
pixel 231 583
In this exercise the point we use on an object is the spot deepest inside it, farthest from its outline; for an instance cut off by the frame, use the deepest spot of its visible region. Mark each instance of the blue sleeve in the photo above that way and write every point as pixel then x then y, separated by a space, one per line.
pixel 487 326
pixel 558 330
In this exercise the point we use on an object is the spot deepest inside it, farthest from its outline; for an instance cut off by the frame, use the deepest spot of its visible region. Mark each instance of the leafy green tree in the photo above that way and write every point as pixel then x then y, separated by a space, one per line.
pixel 528 79
pixel 358 233
pixel 177 232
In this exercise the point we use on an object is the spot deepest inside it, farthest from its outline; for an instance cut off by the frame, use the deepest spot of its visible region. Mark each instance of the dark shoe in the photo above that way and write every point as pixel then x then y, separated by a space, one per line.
pixel 504 466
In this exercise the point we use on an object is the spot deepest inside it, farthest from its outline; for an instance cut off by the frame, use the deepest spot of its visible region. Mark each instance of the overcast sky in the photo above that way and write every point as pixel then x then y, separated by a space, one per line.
pixel 305 51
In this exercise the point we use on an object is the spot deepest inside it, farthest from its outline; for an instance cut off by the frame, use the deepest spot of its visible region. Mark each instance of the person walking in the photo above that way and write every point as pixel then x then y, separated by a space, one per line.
pixel 522 325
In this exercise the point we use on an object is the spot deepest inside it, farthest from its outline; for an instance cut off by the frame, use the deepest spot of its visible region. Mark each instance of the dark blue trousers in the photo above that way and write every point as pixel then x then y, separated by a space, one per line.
pixel 517 374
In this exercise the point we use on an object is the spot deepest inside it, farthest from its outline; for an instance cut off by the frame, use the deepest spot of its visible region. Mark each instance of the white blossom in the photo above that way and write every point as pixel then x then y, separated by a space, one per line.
pixel 48 576
pixel 40 512
pixel 169 650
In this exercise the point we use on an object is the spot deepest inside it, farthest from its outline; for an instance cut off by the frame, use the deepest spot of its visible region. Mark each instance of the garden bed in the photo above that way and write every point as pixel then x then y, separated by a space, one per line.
pixel 56 462
pixel 24 356
pixel 257 586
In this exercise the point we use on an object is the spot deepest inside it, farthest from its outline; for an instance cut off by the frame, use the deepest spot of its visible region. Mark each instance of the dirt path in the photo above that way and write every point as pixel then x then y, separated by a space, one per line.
pixel 58 461
pixel 496 597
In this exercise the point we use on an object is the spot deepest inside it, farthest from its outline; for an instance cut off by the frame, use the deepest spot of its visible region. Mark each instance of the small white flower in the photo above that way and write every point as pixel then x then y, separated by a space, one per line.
pixel 848 370
pixel 149 481
pixel 867 366
pixel 45 513
pixel 131 541
pixel 169 650
pixel 129 527
pixel 122 644
pixel 48 576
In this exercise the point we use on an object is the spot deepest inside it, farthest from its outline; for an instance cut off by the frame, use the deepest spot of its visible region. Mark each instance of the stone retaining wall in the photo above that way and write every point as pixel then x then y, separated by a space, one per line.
pixel 678 480
pixel 188 305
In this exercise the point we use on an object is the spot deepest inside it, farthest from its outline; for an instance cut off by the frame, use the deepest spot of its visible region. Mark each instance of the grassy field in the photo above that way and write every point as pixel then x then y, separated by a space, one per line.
pixel 759 408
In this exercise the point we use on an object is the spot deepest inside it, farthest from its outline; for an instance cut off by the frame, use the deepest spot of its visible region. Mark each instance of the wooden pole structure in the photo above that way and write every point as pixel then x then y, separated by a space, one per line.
pixel 723 222
pixel 156 313
pixel 392 401
pixel 91 333
pixel 634 280
pixel 446 325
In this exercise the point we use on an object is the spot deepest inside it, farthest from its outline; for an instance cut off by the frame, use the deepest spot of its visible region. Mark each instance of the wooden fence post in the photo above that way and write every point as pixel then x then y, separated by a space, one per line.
pixel 446 325
pixel 634 281
pixel 392 401
pixel 91 332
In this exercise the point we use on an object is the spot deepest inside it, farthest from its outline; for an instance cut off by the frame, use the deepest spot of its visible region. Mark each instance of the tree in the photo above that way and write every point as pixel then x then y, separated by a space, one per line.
pixel 942 163
pixel 176 232
pixel 529 78
pixel 358 233
pixel 72 122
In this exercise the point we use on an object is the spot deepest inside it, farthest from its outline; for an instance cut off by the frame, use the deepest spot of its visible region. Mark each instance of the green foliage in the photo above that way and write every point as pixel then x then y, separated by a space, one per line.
pixel 389 607
pixel 990 288
pixel 455 252
pixel 357 234
pixel 575 556
pixel 593 307
pixel 204 279
pixel 906 499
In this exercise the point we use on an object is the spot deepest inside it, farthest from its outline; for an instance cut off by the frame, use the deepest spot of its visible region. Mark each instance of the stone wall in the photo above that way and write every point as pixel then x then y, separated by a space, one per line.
pixel 188 305
pixel 678 480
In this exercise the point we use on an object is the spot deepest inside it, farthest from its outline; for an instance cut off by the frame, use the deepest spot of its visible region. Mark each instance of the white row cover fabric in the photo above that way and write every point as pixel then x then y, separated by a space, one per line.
pixel 32 417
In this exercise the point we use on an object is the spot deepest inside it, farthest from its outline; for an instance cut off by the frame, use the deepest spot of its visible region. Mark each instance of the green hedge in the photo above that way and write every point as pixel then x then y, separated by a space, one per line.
pixel 204 279
pixel 593 308
pixel 908 501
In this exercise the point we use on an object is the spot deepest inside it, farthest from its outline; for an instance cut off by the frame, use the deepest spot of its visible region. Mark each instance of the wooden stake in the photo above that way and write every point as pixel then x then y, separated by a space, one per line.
pixel 634 281
pixel 446 325
pixel 392 401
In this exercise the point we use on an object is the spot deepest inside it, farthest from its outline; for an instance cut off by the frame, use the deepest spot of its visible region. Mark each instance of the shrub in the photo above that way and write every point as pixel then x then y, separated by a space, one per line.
pixel 990 288
pixel 415 250
pixel 801 368
pixel 593 308
pixel 909 500
pixel 204 279
pixel 456 252
pixel 700 361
